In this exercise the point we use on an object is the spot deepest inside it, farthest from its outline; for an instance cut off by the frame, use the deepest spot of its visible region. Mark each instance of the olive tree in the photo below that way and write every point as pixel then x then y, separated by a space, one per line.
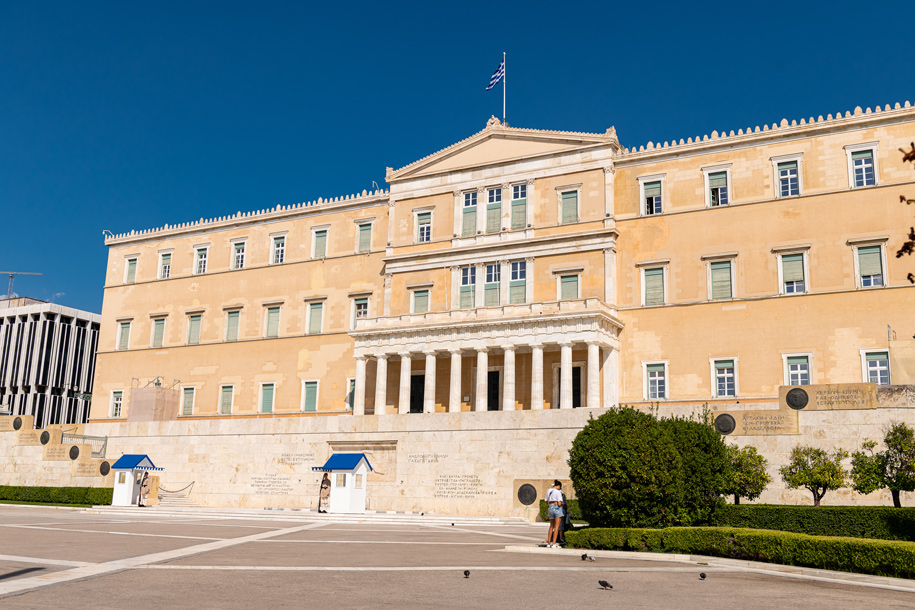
pixel 748 477
pixel 893 468
pixel 815 470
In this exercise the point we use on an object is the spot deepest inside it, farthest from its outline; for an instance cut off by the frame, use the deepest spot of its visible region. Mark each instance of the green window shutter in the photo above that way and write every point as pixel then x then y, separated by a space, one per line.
pixel 721 280
pixel 267 398
pixel 654 367
pixel 232 326
pixel 187 407
pixel 652 189
pixel 131 271
pixel 273 322
pixel 314 323
pixel 517 292
pixel 724 364
pixel 467 297
pixel 351 395
pixel 718 180
pixel 569 207
pixel 193 334
pixel 124 335
pixel 793 268
pixel 654 286
pixel 365 238
pixel 166 260
pixel 158 332
pixel 320 244
pixel 421 301
pixel 863 154
pixel 311 395
pixel 470 222
pixel 493 217
pixel 225 402
pixel 519 213
pixel 869 262
pixel 797 360
pixel 569 287
pixel 491 295
pixel 787 165
pixel 877 356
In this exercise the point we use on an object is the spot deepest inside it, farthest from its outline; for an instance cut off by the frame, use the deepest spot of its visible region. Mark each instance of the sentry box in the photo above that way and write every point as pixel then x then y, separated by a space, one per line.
pixel 128 475
pixel 348 472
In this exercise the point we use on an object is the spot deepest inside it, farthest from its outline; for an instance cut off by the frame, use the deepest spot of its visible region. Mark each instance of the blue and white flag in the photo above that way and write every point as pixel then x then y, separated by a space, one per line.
pixel 497 76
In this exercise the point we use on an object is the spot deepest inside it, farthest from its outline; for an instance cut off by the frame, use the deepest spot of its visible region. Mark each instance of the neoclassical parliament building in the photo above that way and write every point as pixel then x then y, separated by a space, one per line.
pixel 461 326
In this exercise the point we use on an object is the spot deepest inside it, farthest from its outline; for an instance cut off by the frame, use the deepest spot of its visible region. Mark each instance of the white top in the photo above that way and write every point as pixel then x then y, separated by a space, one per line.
pixel 553 495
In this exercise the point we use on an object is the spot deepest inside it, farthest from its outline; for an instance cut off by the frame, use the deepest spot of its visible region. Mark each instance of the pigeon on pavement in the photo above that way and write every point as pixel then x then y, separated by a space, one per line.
pixel 604 584
pixel 701 575
pixel 584 556
pixel 466 573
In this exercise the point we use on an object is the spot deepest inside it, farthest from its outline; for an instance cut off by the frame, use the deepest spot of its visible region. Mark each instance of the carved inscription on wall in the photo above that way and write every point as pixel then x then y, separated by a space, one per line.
pixel 294 459
pixel 56 452
pixel 829 397
pixel 271 484
pixel 426 458
pixel 766 423
pixel 29 437
pixel 460 487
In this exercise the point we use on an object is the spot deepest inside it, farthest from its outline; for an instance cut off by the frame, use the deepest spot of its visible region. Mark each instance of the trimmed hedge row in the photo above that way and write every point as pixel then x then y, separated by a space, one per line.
pixel 878 557
pixel 57 495
pixel 880 522
pixel 574 510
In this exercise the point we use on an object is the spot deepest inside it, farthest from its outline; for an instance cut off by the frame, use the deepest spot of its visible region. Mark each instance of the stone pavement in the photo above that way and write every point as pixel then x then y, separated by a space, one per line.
pixel 74 558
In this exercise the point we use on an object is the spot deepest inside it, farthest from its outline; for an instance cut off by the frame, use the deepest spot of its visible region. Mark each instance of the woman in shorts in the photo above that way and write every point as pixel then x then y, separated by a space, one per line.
pixel 554 513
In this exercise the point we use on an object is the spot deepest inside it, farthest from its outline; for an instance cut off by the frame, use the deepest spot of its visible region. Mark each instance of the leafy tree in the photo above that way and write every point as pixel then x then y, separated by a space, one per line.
pixel 893 468
pixel 748 477
pixel 816 470
pixel 706 468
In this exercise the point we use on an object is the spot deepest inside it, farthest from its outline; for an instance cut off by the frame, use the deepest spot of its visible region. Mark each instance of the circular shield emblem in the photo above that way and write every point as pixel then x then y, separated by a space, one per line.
pixel 74 452
pixel 45 437
pixel 104 468
pixel 797 399
pixel 725 424
pixel 527 494
pixel 17 423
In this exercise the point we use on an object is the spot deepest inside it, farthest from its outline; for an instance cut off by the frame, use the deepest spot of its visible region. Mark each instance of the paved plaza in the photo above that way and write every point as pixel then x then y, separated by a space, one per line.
pixel 77 559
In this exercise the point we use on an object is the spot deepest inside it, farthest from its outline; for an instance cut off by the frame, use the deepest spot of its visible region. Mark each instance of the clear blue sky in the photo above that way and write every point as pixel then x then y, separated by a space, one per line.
pixel 129 115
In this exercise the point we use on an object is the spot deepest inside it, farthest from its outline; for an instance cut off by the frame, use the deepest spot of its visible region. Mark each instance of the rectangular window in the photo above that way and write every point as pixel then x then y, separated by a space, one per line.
pixel 725 378
pixel 315 313
pixel 320 244
pixel 193 329
pixel 360 310
pixel 657 381
pixel 721 280
pixel 798 370
pixel 519 206
pixel 494 211
pixel 877 367
pixel 131 272
pixel 654 286
pixel 365 238
pixel 200 262
pixel 568 287
pixel 310 399
pixel 469 218
pixel 273 323
pixel 517 290
pixel 653 198
pixel 158 332
pixel 351 394
pixel 863 166
pixel 341 480
pixel 424 227
pixel 187 402
pixel 267 398
pixel 870 266
pixel 123 335
pixel 788 184
pixel 793 273
pixel 279 250
pixel 232 318
pixel 569 207
pixel 238 255
pixel 718 188
pixel 165 266
pixel 420 301
pixel 493 285
pixel 226 393
pixel 468 284
pixel 117 403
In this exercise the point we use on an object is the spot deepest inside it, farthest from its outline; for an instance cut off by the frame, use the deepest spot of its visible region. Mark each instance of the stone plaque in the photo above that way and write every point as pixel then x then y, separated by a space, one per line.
pixel 757 423
pixel 829 397
pixel 14 423
pixel 85 469
pixel 527 494
pixel 55 453
pixel 29 437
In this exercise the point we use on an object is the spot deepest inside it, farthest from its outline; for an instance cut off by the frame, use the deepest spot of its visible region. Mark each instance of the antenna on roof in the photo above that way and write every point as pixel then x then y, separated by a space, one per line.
pixel 374 185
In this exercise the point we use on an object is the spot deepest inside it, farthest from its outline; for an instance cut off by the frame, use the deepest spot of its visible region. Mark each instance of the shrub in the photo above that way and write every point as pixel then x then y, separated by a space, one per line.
pixel 882 522
pixel 748 477
pixel 879 557
pixel 816 470
pixel 893 468
pixel 57 495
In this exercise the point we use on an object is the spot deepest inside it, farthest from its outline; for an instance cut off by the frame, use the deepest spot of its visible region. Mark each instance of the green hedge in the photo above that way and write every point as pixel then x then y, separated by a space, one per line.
pixel 881 522
pixel 879 557
pixel 57 495
pixel 574 510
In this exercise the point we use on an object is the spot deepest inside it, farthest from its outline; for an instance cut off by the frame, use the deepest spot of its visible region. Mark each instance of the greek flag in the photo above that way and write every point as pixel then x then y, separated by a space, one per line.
pixel 497 76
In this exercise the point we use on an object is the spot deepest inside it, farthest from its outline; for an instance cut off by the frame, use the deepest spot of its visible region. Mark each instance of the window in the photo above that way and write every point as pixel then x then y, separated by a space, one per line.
pixel 725 378
pixel 360 309
pixel 519 206
pixel 468 284
pixel 365 238
pixel 870 266
pixel 309 395
pixel 193 329
pixel 123 335
pixel 315 313
pixel 117 403
pixel 569 204
pixel 652 198
pixel 420 301
pixel 876 367
pixel 862 164
pixel 718 188
pixel 720 276
pixel 130 273
pixel 341 480
pixel 350 394
pixel 200 261
pixel 493 285
pixel 232 318
pixel 226 394
pixel 568 287
pixel 653 281
pixel 165 266
pixel 787 179
pixel 320 244
pixel 279 250
pixel 158 332
pixel 424 227
pixel 798 370
pixel 494 210
pixel 469 218
pixel 266 398
pixel 187 401
pixel 517 289
pixel 238 255
pixel 655 381
pixel 272 326
pixel 793 274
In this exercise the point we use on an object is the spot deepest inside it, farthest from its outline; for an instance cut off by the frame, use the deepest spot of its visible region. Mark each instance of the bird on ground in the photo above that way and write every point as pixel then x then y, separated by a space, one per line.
pixel 604 584
pixel 466 573
pixel 590 558
pixel 584 556
pixel 701 575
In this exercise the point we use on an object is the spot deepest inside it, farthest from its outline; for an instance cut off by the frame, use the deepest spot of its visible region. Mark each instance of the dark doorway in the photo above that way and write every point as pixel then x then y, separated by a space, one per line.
pixel 576 387
pixel 417 392
pixel 492 391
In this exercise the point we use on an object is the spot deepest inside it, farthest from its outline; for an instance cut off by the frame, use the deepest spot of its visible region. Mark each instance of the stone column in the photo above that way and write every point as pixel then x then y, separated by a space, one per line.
pixel 480 285
pixel 403 401
pixel 565 374
pixel 611 377
pixel 505 279
pixel 429 389
pixel 609 213
pixel 593 376
pixel 482 379
pixel 481 210
pixel 537 378
pixel 610 276
pixel 454 397
pixel 381 385
pixel 508 382
pixel 359 390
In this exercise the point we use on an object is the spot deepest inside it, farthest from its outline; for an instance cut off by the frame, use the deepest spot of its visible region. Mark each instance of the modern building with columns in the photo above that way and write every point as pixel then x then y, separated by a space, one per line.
pixel 524 271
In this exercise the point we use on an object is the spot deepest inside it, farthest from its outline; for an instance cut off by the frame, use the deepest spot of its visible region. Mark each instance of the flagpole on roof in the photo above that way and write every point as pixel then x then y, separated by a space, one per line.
pixel 504 74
